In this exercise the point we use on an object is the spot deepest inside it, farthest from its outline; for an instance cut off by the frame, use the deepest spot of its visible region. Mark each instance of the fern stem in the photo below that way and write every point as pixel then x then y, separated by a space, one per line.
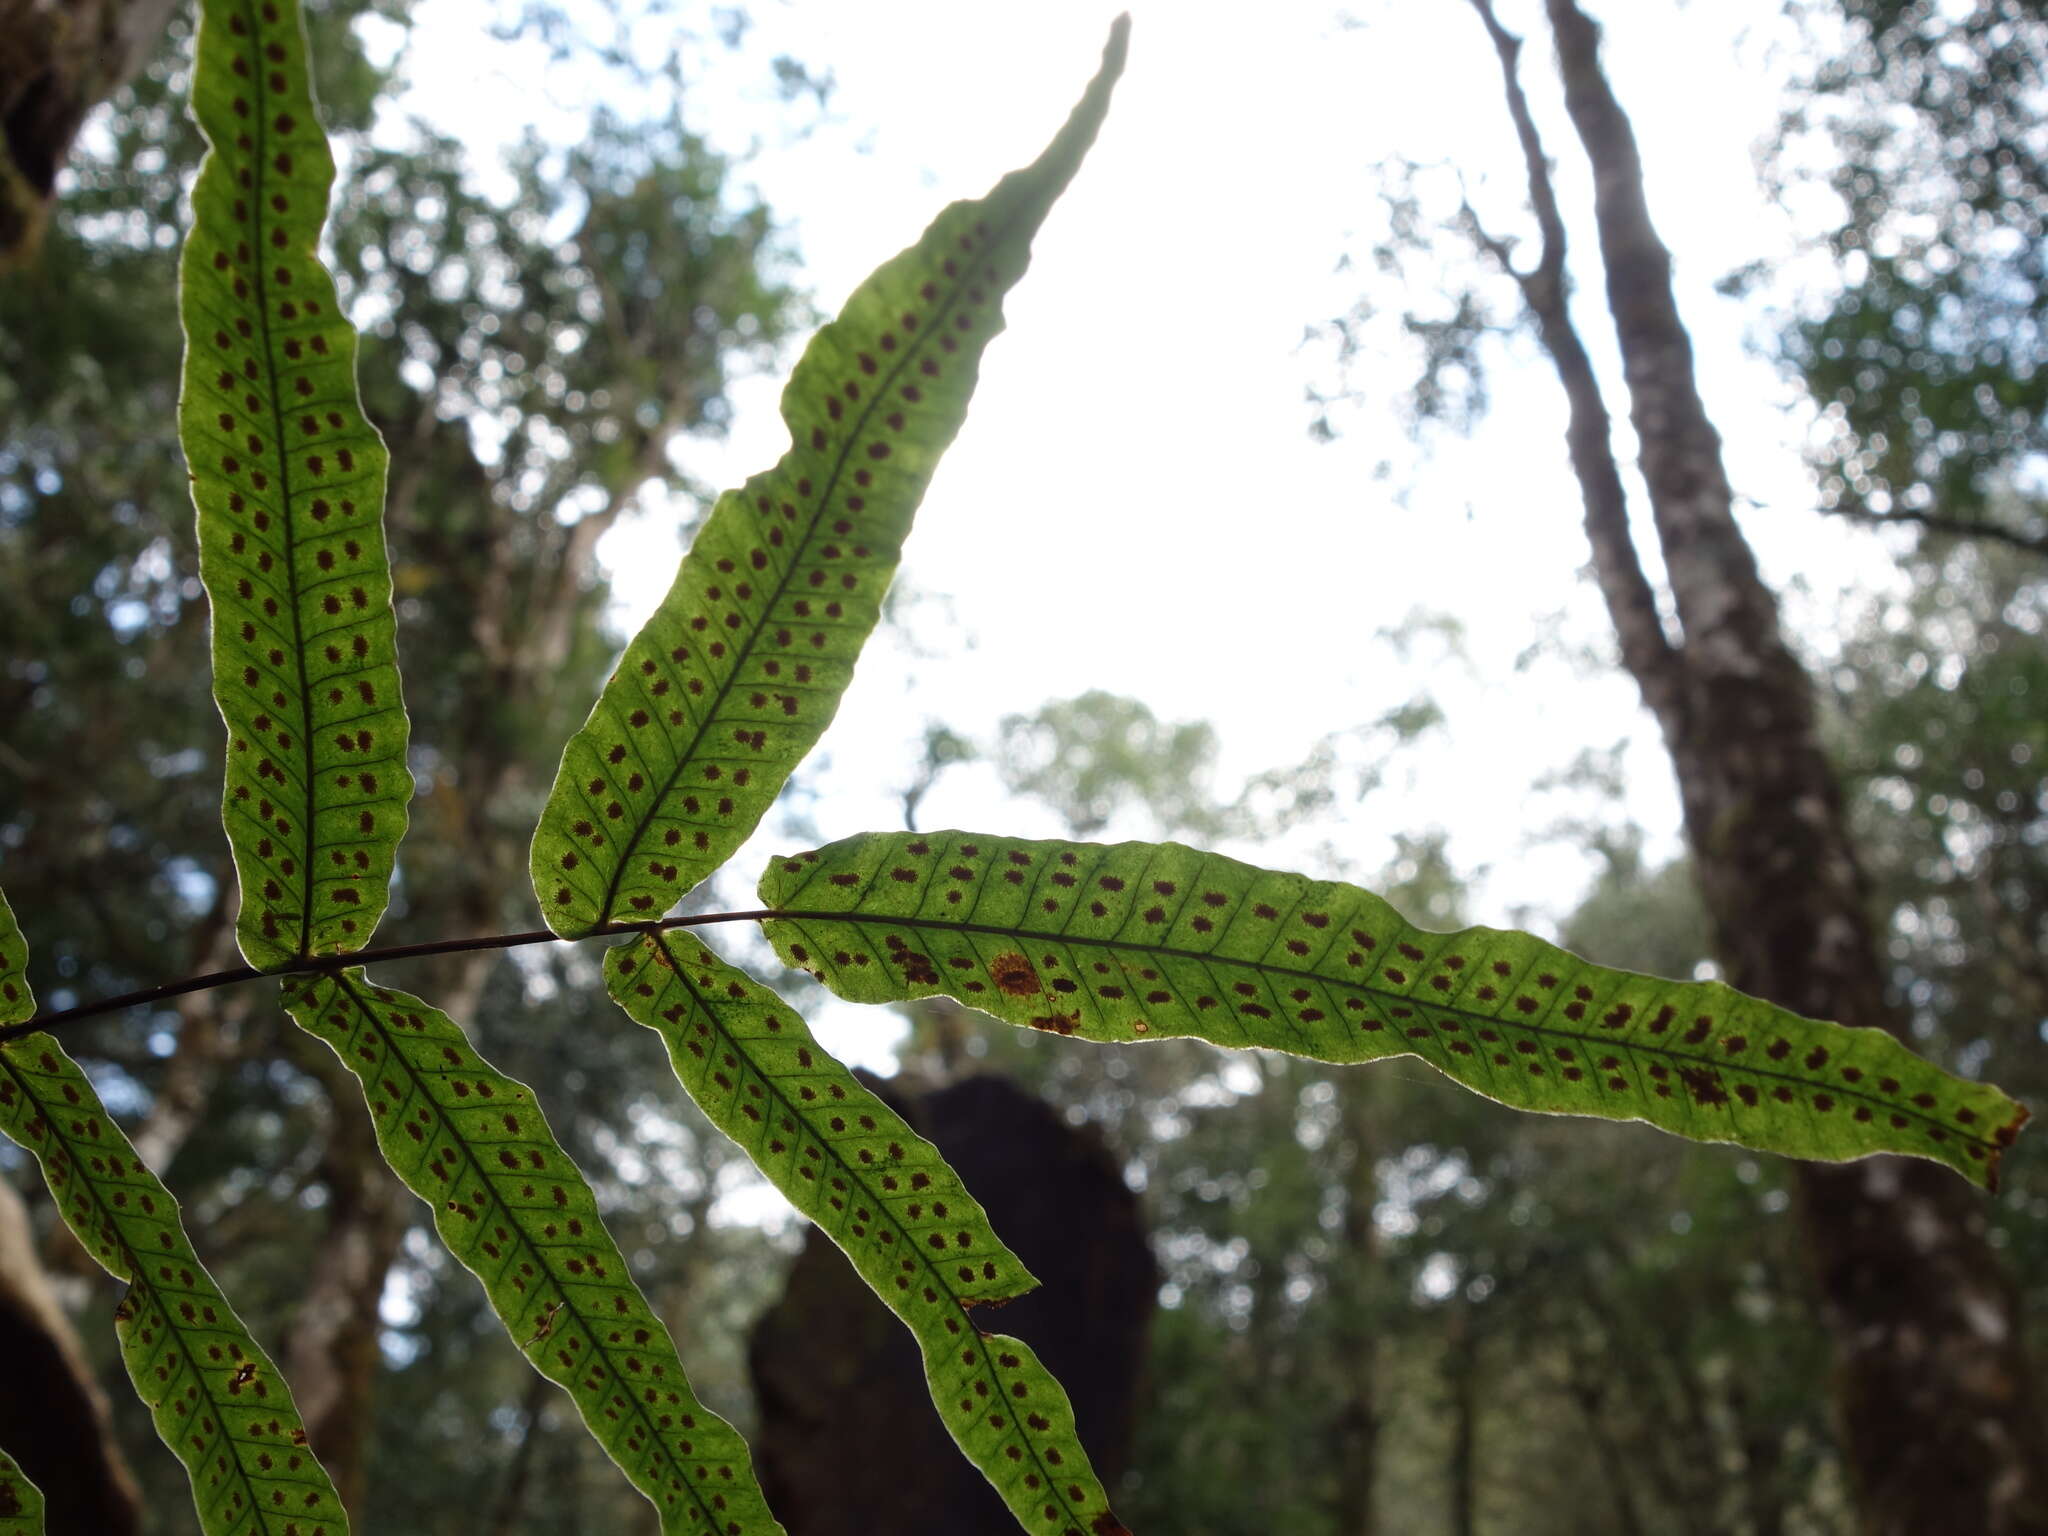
pixel 322 964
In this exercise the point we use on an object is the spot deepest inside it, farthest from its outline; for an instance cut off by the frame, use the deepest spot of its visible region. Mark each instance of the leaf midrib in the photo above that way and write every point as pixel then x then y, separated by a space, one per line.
pixel 675 968
pixel 654 1433
pixel 745 650
pixel 1384 995
pixel 309 793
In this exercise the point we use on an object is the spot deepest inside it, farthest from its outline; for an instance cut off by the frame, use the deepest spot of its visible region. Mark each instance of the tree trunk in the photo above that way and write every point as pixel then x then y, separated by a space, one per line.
pixel 1461 1376
pixel 58 60
pixel 1941 1425
pixel 53 1418
pixel 1589 1392
pixel 508 1509
pixel 1355 1277
pixel 1763 1457
pixel 887 1464
pixel 330 1355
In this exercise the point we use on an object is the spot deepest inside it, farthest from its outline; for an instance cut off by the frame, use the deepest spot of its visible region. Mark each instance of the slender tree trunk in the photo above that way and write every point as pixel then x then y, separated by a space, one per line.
pixel 331 1352
pixel 57 62
pixel 1680 1466
pixel 1461 1375
pixel 1942 1428
pixel 1355 1277
pixel 210 1035
pixel 508 1508
pixel 53 1417
pixel 1763 1455
pixel 1590 1393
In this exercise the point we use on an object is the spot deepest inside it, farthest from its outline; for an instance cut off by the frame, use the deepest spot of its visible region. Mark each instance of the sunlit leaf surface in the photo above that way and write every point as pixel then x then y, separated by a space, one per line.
pixel 288 477
pixel 885 1196
pixel 216 1397
pixel 742 666
pixel 21 1502
pixel 1141 941
pixel 509 1204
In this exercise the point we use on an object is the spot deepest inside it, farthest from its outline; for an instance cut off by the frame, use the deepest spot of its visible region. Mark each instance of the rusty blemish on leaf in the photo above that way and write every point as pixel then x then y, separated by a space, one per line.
pixel 1015 974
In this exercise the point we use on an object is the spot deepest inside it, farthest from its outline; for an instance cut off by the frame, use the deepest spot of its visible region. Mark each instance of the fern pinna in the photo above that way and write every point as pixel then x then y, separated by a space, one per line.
pixel 21 1501
pixel 712 705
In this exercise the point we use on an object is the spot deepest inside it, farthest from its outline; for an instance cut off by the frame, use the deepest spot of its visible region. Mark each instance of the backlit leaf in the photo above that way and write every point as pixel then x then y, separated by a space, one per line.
pixel 17 1001
pixel 509 1204
pixel 288 478
pixel 885 1196
pixel 1149 940
pixel 741 668
pixel 21 1501
pixel 216 1397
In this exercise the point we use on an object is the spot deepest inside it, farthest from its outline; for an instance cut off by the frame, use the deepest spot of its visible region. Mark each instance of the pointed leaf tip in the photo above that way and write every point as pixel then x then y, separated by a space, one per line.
pixel 742 666
pixel 1148 940
pixel 1118 47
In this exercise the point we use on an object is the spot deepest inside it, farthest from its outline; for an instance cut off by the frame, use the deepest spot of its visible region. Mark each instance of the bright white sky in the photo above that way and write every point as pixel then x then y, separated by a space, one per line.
pixel 1135 503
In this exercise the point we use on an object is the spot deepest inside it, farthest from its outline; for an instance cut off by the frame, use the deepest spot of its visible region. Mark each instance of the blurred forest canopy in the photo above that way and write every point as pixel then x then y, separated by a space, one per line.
pixel 1386 1303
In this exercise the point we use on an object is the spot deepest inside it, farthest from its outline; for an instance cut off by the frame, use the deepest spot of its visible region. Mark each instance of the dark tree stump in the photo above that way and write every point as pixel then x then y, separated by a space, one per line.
pixel 849 1443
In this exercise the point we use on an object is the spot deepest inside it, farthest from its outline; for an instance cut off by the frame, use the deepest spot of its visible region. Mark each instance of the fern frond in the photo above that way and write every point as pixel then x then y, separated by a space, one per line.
pixel 21 1501
pixel 288 478
pixel 742 666
pixel 513 1208
pixel 1142 941
pixel 885 1196
pixel 216 1397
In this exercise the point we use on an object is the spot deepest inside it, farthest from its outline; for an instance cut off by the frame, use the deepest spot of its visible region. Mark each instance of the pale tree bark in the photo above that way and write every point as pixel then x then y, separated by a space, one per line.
pixel 211 1038
pixel 1941 1424
pixel 53 1417
pixel 330 1352
pixel 58 60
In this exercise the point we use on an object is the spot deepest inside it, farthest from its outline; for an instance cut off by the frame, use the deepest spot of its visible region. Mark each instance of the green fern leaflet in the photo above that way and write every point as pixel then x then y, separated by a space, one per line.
pixel 885 1196
pixel 288 478
pixel 1147 940
pixel 21 1501
pixel 742 666
pixel 510 1205
pixel 17 1000
pixel 216 1397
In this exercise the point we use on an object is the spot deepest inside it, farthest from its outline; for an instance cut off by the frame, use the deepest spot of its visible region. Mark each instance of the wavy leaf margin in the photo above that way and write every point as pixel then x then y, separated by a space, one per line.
pixel 288 480
pixel 21 1501
pixel 217 1399
pixel 514 1209
pixel 741 667
pixel 890 1201
pixel 1137 941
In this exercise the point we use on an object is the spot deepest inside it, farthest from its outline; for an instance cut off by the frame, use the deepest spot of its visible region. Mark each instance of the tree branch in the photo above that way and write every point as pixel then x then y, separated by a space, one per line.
pixel 1935 522
pixel 1645 650
pixel 1729 618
